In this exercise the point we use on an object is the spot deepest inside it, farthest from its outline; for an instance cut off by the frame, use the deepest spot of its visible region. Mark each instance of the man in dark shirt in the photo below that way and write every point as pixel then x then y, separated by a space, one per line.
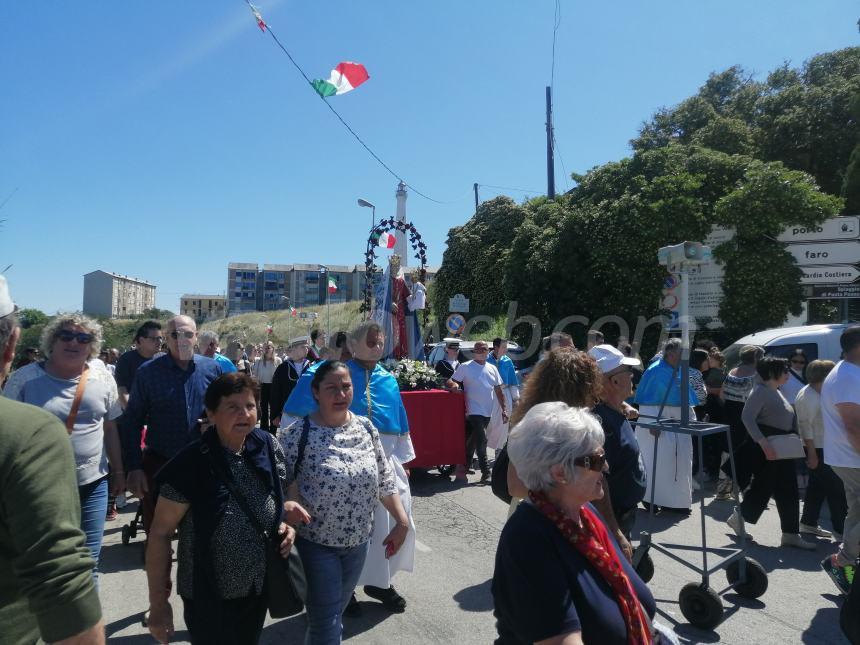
pixel 147 343
pixel 626 478
pixel 448 365
pixel 167 398
pixel 287 374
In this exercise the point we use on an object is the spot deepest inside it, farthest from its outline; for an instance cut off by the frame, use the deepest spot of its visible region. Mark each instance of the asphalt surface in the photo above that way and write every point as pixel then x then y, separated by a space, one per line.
pixel 449 591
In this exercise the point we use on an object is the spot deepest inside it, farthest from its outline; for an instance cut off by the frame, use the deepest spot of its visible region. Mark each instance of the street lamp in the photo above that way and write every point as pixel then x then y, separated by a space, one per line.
pixel 367 204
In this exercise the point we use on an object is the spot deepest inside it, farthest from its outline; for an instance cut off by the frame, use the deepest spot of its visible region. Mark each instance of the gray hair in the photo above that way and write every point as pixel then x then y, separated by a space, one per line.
pixel 672 346
pixel 206 337
pixel 8 324
pixel 49 334
pixel 552 434
pixel 359 333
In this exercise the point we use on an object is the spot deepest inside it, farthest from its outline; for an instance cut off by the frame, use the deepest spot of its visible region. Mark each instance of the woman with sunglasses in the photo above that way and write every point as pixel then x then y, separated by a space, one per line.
pixel 82 393
pixel 797 362
pixel 560 577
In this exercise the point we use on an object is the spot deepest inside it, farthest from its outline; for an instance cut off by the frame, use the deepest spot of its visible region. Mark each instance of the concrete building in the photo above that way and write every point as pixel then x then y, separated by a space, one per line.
pixel 116 296
pixel 241 287
pixel 202 307
pixel 280 286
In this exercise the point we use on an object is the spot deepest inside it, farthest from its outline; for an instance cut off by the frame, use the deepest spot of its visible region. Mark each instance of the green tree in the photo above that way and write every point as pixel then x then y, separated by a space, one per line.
pixel 32 317
pixel 474 261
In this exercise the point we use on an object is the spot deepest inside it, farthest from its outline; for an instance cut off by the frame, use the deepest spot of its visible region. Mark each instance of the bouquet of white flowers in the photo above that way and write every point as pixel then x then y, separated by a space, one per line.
pixel 413 375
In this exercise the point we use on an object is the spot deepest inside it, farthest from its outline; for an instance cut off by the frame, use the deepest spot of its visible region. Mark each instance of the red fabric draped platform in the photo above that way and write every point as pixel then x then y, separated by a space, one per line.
pixel 437 424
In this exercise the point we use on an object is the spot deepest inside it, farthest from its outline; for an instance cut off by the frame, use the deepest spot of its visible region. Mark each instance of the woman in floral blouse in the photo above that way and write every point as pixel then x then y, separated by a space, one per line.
pixel 339 469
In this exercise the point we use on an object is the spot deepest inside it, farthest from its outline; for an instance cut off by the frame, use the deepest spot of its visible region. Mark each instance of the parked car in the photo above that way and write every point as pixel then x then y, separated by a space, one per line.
pixel 816 341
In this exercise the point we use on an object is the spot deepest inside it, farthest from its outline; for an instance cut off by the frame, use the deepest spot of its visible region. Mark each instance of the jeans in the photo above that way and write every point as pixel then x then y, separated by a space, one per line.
pixel 824 484
pixel 775 479
pixel 331 573
pixel 851 536
pixel 239 621
pixel 477 441
pixel 94 497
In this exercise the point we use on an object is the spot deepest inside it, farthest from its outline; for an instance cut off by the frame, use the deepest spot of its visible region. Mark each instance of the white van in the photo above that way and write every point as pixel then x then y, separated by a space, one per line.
pixel 816 341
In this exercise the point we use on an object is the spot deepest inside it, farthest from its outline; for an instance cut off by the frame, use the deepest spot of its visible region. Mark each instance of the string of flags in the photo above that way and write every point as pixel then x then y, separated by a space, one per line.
pixel 345 77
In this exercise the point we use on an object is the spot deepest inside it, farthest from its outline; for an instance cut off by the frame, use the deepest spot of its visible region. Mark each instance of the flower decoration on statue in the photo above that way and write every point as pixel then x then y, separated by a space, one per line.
pixel 413 375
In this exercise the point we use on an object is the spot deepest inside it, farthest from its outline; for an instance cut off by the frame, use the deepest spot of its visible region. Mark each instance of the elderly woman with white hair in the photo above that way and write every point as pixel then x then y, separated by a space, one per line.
pixel 560 577
pixel 83 394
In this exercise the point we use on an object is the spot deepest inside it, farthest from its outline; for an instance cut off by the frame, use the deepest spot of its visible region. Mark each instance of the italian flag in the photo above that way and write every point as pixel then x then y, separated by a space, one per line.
pixel 344 78
pixel 332 284
pixel 387 240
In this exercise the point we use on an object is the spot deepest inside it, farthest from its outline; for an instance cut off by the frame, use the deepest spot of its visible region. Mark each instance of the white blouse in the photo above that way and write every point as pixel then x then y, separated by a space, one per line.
pixel 343 474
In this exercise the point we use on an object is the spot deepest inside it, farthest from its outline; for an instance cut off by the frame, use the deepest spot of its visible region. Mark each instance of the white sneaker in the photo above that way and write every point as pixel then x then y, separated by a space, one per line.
pixel 815 530
pixel 120 500
pixel 734 522
pixel 794 540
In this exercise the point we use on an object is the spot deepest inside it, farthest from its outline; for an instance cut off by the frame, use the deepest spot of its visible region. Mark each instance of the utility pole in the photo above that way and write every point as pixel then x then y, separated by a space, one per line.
pixel 475 186
pixel 550 161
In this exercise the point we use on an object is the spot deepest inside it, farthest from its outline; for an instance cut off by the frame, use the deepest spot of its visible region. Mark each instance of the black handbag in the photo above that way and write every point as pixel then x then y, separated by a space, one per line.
pixel 499 482
pixel 285 584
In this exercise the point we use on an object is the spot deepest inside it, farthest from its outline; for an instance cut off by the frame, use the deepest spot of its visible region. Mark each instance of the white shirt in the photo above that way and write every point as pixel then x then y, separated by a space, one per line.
pixel 264 372
pixel 842 385
pixel 810 423
pixel 478 384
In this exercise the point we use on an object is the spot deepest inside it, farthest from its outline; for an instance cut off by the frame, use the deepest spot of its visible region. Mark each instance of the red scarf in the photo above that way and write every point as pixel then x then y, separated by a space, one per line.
pixel 593 542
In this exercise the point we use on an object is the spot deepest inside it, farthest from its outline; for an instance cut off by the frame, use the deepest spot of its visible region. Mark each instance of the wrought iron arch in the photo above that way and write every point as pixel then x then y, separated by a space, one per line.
pixel 419 253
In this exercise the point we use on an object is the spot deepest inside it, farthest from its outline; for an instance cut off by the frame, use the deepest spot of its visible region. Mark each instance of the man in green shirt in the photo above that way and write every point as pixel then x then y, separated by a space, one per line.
pixel 46 582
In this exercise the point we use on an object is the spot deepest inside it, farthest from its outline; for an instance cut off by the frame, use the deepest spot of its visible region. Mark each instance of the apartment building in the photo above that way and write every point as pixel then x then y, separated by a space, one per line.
pixel 279 286
pixel 116 296
pixel 203 307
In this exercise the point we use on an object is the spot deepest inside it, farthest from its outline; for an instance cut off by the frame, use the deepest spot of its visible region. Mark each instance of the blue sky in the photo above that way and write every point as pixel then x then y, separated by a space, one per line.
pixel 162 140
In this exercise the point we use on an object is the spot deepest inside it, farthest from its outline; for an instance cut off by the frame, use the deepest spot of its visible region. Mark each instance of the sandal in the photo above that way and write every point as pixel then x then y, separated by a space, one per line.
pixel 392 600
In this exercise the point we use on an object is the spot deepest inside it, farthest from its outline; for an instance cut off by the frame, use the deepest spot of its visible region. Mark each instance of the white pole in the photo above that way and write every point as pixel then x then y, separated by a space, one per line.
pixel 685 347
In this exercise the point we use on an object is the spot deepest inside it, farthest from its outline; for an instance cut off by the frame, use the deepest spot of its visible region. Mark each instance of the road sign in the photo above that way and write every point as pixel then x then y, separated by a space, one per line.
pixel 455 323
pixel 459 303
pixel 836 228
pixel 829 274
pixel 825 253
pixel 835 291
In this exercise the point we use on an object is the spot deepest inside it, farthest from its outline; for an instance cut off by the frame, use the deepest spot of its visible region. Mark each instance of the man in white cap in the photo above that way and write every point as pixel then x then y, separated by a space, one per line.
pixel 288 373
pixel 47 590
pixel 626 478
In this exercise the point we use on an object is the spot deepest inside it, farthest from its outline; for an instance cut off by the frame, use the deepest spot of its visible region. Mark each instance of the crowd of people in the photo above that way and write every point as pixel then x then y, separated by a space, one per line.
pixel 299 452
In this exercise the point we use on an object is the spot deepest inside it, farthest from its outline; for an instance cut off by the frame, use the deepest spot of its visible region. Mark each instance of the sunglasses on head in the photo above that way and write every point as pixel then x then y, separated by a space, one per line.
pixel 594 462
pixel 182 334
pixel 68 336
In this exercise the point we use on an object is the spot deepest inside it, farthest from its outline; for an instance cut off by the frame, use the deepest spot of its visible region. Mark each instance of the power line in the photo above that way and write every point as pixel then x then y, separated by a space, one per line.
pixel 342 120
pixel 555 149
pixel 519 190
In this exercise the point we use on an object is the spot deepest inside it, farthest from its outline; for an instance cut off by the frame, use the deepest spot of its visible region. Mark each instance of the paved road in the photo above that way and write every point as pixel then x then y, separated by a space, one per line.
pixel 449 592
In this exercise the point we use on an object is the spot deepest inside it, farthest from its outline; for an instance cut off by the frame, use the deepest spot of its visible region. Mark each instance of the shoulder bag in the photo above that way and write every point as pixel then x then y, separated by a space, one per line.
pixel 286 586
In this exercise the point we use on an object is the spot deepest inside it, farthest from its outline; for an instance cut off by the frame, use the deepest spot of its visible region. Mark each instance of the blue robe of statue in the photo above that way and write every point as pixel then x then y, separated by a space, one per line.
pixel 386 410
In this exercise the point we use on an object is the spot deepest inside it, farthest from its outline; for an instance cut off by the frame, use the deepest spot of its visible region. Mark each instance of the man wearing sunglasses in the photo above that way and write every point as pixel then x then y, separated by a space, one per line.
pixel 482 385
pixel 167 398
pixel 147 343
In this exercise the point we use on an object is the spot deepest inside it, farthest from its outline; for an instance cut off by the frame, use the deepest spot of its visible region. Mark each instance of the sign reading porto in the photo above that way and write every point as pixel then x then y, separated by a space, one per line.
pixel 837 228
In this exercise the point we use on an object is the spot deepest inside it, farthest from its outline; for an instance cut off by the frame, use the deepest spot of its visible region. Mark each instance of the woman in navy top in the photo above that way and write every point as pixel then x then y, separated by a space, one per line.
pixel 560 578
